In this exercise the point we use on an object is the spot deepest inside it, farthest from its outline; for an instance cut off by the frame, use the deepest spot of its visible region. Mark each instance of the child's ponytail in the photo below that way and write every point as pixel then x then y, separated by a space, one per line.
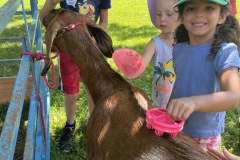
pixel 226 32
pixel 181 34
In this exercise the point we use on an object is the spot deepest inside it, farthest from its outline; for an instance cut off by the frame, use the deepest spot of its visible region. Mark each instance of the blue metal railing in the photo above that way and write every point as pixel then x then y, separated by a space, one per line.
pixel 34 144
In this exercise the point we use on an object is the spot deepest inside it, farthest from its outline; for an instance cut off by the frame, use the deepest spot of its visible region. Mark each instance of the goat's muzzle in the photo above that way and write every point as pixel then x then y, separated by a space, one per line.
pixel 46 68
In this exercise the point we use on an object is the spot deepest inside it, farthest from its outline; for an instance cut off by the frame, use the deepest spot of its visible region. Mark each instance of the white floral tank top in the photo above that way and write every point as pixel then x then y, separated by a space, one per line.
pixel 163 74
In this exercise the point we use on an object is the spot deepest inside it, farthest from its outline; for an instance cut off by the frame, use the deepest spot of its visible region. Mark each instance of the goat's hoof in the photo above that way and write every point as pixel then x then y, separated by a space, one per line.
pixel 43 73
pixel 45 69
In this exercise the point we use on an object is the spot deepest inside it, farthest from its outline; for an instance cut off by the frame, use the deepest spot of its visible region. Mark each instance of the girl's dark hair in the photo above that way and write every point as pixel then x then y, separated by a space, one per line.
pixel 226 32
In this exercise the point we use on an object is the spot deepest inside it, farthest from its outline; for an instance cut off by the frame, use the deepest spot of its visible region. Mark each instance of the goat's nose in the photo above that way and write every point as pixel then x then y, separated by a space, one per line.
pixel 44 72
pixel 45 69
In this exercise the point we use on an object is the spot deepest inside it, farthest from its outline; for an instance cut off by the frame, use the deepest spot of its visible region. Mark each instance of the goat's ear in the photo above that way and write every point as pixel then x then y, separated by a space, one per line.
pixel 104 41
pixel 50 34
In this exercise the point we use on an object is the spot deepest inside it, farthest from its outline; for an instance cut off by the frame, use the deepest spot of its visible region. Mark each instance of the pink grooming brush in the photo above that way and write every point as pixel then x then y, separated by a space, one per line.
pixel 158 119
pixel 152 114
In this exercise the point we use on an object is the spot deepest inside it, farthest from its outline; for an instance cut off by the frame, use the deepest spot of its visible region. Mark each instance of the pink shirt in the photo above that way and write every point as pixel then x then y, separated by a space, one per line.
pixel 234 7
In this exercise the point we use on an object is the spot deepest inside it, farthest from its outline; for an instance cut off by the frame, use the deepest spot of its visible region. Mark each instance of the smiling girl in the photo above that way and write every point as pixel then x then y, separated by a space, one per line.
pixel 206 64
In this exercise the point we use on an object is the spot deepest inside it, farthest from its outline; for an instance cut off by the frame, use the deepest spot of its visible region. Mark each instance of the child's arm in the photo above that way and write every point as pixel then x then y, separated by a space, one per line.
pixel 148 52
pixel 226 99
pixel 103 22
pixel 48 6
pixel 226 155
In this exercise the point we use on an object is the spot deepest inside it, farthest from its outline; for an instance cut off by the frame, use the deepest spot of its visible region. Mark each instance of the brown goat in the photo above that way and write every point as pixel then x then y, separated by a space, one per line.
pixel 117 128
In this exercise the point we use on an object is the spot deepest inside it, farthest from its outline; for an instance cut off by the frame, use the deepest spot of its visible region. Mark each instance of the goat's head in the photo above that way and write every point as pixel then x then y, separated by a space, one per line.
pixel 57 19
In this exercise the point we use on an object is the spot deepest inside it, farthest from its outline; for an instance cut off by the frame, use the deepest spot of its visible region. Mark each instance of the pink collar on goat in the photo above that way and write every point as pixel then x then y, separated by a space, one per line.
pixel 73 25
pixel 68 28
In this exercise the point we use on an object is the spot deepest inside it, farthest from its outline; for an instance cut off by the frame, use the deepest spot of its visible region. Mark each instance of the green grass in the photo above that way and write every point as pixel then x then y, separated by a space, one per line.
pixel 129 27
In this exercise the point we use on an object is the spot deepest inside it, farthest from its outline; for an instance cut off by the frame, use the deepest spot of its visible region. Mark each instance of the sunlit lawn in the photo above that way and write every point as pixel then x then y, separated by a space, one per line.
pixel 129 27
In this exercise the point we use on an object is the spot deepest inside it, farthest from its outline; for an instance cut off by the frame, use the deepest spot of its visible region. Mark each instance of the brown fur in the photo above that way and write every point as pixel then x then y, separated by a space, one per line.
pixel 117 128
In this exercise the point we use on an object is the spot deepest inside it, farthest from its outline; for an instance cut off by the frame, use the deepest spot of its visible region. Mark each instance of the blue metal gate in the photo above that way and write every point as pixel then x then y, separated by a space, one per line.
pixel 34 145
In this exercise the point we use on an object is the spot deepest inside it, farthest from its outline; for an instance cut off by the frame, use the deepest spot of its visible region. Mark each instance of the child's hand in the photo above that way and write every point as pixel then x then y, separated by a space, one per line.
pixel 180 109
pixel 226 155
pixel 55 1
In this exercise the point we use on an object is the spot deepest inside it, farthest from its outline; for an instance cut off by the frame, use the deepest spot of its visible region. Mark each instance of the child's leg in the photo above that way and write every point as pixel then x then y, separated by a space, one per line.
pixel 213 142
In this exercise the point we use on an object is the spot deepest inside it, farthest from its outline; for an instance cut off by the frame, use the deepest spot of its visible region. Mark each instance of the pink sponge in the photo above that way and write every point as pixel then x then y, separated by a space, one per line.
pixel 158 119
pixel 129 62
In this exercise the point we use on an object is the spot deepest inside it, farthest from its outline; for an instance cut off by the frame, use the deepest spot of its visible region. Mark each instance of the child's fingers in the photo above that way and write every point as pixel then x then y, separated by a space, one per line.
pixel 216 154
pixel 174 110
pixel 213 155
pixel 229 155
pixel 170 108
pixel 174 113
pixel 182 113
pixel 177 110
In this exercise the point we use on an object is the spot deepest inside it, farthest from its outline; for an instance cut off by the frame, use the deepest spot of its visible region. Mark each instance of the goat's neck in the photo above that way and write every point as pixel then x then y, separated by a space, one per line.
pixel 97 73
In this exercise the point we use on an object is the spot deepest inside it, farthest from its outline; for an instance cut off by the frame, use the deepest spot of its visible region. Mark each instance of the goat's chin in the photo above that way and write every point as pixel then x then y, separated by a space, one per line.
pixel 44 22
pixel 45 69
